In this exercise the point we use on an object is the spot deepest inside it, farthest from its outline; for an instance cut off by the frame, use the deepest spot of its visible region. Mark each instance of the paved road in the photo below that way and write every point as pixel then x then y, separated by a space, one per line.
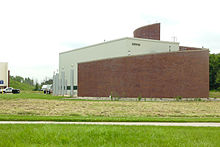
pixel 118 123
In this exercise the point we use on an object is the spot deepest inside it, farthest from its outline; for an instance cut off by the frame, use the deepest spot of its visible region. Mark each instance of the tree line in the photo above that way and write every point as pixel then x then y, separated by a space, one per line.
pixel 214 71
pixel 22 80
pixel 19 82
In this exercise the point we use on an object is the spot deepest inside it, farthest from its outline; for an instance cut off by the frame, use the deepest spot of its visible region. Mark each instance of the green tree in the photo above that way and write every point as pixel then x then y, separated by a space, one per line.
pixel 17 78
pixel 214 71
pixel 47 82
pixel 37 87
pixel 29 81
pixel 19 82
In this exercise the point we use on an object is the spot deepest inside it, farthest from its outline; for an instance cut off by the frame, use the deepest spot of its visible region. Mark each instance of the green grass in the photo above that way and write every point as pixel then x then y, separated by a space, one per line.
pixel 21 86
pixel 30 95
pixel 214 94
pixel 80 111
pixel 93 135
pixel 39 95
pixel 106 119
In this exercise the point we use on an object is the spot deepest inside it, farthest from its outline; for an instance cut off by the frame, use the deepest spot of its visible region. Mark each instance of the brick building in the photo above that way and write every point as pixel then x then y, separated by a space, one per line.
pixel 141 66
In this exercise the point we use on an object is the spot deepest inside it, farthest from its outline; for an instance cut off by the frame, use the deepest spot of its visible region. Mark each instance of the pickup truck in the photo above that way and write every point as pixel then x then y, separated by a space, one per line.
pixel 11 90
pixel 47 89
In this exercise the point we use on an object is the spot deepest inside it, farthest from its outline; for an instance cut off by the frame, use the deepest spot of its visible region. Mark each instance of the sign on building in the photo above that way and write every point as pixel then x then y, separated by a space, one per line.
pixel 1 82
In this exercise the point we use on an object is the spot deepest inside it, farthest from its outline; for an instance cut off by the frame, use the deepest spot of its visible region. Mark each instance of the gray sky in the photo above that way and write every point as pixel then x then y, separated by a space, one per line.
pixel 34 32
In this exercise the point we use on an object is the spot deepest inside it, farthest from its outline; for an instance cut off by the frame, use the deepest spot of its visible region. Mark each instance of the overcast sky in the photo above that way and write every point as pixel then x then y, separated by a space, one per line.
pixel 34 32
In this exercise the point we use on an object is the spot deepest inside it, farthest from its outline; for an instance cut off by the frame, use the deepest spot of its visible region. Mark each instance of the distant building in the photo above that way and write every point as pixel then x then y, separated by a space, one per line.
pixel 142 66
pixel 4 75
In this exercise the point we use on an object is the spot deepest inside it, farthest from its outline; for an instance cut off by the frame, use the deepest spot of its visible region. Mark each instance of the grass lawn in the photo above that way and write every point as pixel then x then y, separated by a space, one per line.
pixel 42 107
pixel 106 119
pixel 214 94
pixel 64 110
pixel 92 135
pixel 40 95
pixel 30 95
pixel 38 106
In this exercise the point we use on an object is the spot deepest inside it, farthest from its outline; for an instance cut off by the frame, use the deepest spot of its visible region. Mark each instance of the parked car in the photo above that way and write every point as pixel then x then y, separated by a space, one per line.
pixel 11 90
pixel 47 89
pixel 15 91
pixel 8 90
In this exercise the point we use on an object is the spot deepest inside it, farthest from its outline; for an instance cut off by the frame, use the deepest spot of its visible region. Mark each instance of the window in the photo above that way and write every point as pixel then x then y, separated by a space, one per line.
pixel 74 87
pixel 1 82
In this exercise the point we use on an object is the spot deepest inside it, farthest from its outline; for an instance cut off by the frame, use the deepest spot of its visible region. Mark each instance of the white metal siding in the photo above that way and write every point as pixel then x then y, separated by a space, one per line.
pixel 101 51
pixel 150 46
pixel 4 73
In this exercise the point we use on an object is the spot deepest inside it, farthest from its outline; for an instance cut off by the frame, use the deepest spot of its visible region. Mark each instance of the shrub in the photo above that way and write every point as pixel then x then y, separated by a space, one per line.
pixel 178 98
pixel 197 99
pixel 139 98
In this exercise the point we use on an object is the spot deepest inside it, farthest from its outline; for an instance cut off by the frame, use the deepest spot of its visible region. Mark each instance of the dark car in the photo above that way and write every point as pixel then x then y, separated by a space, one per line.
pixel 15 91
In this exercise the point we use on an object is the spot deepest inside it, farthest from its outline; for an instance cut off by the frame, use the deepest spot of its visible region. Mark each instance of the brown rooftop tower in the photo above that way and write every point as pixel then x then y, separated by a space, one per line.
pixel 148 32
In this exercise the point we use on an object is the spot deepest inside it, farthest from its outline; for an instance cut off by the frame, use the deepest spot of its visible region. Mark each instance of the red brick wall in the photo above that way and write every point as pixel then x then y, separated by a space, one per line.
pixel 164 75
pixel 148 32
pixel 8 78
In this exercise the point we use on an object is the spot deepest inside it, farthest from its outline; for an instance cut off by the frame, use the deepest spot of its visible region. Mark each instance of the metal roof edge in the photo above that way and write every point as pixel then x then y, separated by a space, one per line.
pixel 131 38
pixel 95 45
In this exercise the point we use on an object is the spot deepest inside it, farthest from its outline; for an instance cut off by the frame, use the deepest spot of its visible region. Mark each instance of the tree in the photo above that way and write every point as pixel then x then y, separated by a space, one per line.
pixel 29 81
pixel 21 83
pixel 37 87
pixel 18 79
pixel 214 71
pixel 47 82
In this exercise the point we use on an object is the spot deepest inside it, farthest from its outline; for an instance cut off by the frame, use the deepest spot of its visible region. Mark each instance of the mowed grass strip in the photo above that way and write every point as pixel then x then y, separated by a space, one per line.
pixel 36 107
pixel 40 95
pixel 106 119
pixel 30 95
pixel 214 94
pixel 93 135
